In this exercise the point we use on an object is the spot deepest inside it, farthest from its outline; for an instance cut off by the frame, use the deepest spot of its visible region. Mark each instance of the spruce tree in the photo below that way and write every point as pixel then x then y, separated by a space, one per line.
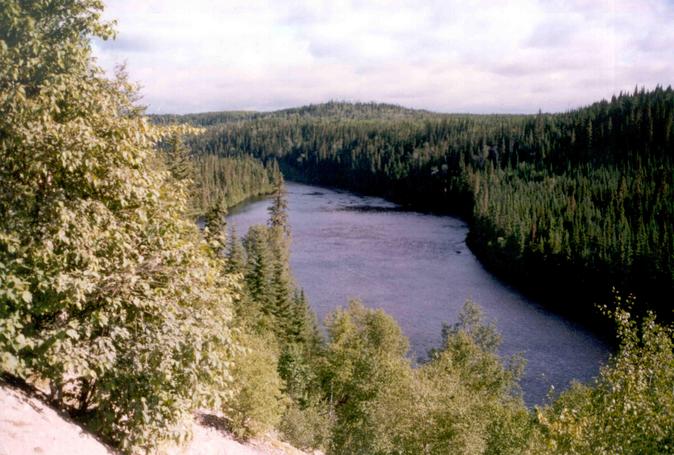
pixel 236 255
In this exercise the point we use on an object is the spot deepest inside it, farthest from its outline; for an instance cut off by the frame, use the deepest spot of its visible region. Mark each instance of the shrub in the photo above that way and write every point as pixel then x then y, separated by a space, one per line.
pixel 630 408
pixel 258 401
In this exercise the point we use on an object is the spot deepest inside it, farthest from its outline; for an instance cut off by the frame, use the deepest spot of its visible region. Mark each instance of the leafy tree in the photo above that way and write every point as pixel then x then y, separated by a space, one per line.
pixel 463 400
pixel 258 402
pixel 107 292
pixel 630 408
pixel 364 359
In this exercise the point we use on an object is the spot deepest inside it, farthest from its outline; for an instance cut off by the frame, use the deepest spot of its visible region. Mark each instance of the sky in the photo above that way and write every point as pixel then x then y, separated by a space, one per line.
pixel 481 56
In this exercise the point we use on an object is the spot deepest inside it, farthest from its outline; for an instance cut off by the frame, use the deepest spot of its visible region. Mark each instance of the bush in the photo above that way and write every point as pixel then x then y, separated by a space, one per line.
pixel 258 401
pixel 306 427
pixel 630 409
pixel 464 400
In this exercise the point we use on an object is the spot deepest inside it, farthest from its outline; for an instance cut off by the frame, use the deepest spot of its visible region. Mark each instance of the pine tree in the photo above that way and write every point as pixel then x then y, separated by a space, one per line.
pixel 177 156
pixel 278 211
pixel 259 267
pixel 236 255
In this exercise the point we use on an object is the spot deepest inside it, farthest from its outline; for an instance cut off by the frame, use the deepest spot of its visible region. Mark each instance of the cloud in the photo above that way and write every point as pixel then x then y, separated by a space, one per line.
pixel 443 55
pixel 128 44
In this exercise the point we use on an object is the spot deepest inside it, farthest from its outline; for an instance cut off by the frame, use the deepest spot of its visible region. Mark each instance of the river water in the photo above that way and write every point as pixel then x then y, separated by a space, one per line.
pixel 418 268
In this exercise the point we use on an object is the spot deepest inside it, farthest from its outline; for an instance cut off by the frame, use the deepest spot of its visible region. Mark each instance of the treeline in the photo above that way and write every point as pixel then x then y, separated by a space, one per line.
pixel 582 197
pixel 214 180
pixel 332 109
pixel 227 181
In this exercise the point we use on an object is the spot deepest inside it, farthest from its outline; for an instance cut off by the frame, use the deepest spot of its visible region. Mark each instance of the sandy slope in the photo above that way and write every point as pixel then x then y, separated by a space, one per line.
pixel 28 426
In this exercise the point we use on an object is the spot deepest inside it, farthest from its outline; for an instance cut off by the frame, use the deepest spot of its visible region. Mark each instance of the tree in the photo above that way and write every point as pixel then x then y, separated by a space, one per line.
pixel 259 267
pixel 107 292
pixel 630 408
pixel 364 360
pixel 215 228
pixel 236 255
pixel 278 211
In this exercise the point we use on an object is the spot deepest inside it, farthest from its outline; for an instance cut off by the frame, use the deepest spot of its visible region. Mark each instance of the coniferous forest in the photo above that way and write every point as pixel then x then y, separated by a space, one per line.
pixel 129 317
pixel 567 206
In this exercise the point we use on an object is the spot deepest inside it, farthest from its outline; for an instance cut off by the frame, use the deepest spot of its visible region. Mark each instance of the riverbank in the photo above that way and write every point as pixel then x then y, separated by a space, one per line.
pixel 418 268
pixel 532 283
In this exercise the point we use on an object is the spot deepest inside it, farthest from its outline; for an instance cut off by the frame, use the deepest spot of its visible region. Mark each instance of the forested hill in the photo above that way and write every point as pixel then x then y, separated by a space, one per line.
pixel 565 205
pixel 333 110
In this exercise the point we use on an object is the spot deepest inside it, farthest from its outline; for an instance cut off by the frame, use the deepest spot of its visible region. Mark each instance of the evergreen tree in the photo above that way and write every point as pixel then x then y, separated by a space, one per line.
pixel 511 176
pixel 278 211
pixel 215 228
pixel 236 255
pixel 259 267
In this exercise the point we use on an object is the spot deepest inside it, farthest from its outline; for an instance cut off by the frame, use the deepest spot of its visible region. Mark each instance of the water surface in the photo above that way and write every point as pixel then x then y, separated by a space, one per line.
pixel 418 268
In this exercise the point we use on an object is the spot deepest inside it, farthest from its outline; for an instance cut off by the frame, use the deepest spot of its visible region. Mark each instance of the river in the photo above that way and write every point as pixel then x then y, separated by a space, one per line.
pixel 418 268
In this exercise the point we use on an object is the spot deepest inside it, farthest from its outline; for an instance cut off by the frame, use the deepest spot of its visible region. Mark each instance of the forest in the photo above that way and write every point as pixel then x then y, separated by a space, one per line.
pixel 129 317
pixel 580 197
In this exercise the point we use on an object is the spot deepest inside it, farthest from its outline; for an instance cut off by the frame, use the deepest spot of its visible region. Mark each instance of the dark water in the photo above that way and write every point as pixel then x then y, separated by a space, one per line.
pixel 418 268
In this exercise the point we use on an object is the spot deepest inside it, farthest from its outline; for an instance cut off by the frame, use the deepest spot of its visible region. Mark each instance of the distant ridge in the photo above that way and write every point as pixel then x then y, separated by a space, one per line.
pixel 328 110
pixel 348 110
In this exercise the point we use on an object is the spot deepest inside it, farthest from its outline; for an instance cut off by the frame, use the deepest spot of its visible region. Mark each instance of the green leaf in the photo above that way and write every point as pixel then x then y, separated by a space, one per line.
pixel 27 296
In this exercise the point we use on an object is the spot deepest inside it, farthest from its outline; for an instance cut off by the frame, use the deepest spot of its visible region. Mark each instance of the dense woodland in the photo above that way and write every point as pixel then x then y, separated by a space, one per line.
pixel 129 317
pixel 217 181
pixel 227 181
pixel 581 198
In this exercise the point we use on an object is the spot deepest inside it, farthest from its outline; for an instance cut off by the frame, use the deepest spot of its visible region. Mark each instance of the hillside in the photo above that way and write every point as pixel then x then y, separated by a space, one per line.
pixel 332 110
pixel 29 426
pixel 579 197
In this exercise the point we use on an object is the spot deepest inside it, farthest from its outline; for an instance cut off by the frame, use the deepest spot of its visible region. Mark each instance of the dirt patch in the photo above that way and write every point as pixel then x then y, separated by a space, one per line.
pixel 28 426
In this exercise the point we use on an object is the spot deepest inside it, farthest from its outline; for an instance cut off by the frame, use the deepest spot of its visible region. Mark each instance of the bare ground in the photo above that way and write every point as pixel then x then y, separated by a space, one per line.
pixel 28 426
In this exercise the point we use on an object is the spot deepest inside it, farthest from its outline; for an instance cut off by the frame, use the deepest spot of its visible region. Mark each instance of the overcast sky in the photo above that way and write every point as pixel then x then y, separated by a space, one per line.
pixel 444 55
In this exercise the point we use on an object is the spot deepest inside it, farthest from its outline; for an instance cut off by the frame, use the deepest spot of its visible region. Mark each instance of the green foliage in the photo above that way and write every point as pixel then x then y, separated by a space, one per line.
pixel 258 402
pixel 364 361
pixel 272 300
pixel 296 370
pixel 114 299
pixel 278 214
pixel 469 395
pixel 107 292
pixel 177 158
pixel 630 409
pixel 259 268
pixel 306 427
pixel 461 401
pixel 236 255
pixel 276 370
pixel 227 181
